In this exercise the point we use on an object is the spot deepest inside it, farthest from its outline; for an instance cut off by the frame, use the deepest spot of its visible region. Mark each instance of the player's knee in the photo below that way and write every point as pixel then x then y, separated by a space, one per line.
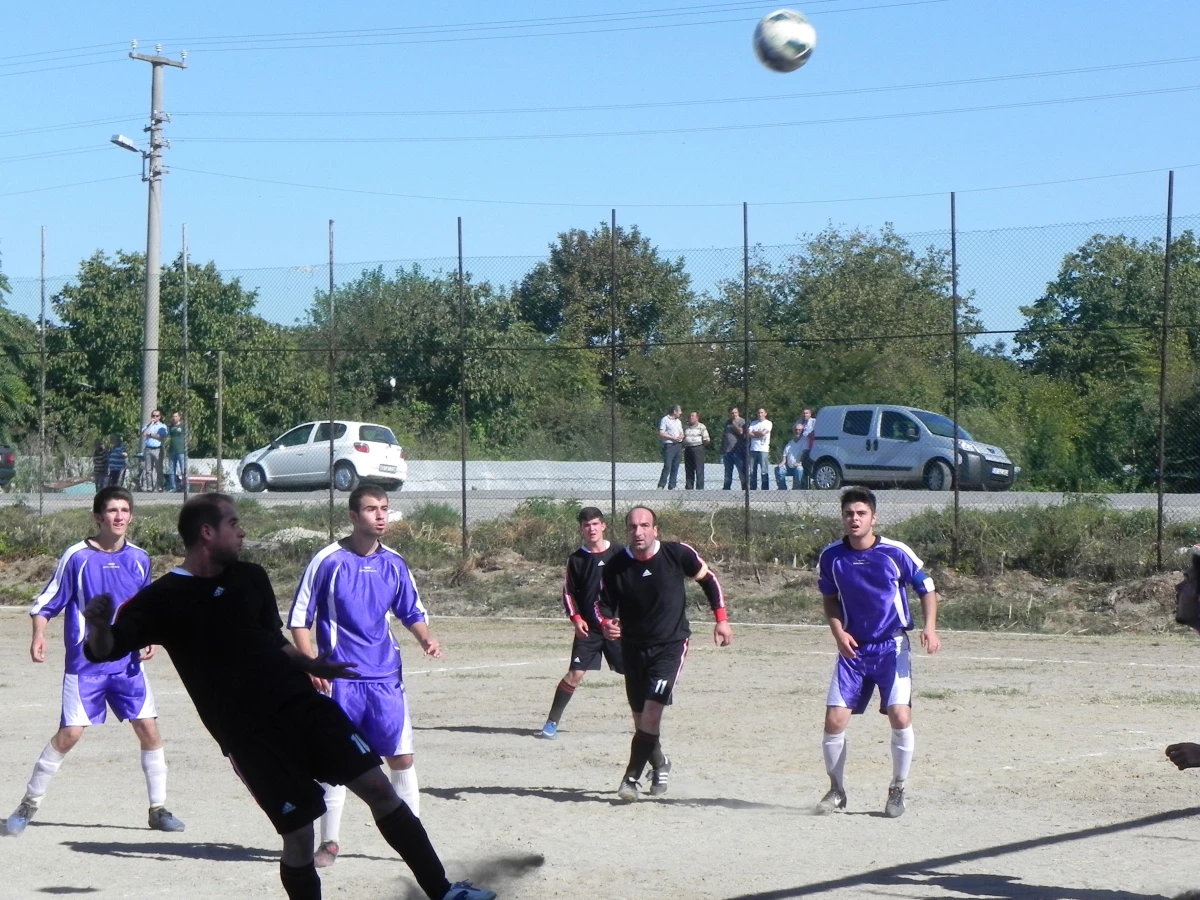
pixel 147 732
pixel 836 719
pixel 66 738
pixel 399 763
pixel 298 846
pixel 575 677
pixel 900 716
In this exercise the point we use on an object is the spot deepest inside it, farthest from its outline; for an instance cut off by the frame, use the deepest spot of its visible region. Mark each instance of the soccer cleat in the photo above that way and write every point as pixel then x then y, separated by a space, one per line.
pixel 16 823
pixel 326 854
pixel 658 779
pixel 464 890
pixel 549 731
pixel 833 801
pixel 162 820
pixel 628 790
pixel 895 802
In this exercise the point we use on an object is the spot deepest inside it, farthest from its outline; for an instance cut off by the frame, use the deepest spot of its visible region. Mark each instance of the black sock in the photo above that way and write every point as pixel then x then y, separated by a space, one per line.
pixel 640 751
pixel 300 882
pixel 658 758
pixel 406 835
pixel 562 696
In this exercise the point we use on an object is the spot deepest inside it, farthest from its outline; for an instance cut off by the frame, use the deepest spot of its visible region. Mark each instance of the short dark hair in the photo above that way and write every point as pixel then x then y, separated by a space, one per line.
pixel 653 514
pixel 201 510
pixel 588 513
pixel 858 495
pixel 365 490
pixel 111 492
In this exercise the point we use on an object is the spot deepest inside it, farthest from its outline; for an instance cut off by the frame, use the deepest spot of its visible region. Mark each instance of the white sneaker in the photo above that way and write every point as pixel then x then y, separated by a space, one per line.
pixel 833 801
pixel 464 890
pixel 16 823
pixel 894 808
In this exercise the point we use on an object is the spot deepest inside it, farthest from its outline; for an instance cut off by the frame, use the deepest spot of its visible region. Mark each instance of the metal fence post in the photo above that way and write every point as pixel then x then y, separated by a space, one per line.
pixel 746 376
pixel 332 367
pixel 187 421
pixel 612 375
pixel 462 386
pixel 1162 366
pixel 954 371
pixel 220 420
pixel 41 469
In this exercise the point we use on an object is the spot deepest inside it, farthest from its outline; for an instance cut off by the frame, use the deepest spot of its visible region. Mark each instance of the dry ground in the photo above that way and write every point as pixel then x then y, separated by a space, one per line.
pixel 1039 775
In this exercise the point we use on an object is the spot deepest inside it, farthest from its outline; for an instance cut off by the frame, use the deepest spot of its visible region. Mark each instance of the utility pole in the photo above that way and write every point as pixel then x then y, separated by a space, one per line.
pixel 152 175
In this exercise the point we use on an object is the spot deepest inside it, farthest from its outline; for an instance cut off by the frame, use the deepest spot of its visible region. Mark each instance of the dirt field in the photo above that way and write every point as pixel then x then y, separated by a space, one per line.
pixel 1039 775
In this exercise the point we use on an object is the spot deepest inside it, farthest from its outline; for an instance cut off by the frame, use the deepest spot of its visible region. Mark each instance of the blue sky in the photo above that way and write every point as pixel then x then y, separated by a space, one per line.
pixel 515 73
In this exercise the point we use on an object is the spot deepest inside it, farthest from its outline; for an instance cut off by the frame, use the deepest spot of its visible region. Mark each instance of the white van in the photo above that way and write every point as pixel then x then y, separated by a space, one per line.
pixel 872 443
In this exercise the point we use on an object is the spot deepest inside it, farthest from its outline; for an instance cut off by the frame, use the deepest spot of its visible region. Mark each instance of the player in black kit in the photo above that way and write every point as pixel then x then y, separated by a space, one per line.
pixel 581 586
pixel 217 619
pixel 643 602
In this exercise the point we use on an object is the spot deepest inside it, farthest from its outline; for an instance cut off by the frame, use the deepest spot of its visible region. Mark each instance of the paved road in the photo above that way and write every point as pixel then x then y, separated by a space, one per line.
pixel 894 505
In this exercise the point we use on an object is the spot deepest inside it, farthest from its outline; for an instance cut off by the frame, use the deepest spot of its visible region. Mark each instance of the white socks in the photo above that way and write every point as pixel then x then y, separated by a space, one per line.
pixel 405 783
pixel 154 765
pixel 833 748
pixel 44 770
pixel 903 742
pixel 331 821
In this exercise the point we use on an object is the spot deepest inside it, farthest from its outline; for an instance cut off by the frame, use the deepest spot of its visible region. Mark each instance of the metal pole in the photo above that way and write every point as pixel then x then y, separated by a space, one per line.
pixel 1162 365
pixel 41 474
pixel 153 178
pixel 220 420
pixel 462 387
pixel 187 421
pixel 332 366
pixel 954 369
pixel 746 372
pixel 612 375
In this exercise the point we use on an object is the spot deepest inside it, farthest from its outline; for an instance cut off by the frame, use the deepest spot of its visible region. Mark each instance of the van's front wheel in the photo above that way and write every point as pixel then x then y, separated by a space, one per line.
pixel 826 476
pixel 938 476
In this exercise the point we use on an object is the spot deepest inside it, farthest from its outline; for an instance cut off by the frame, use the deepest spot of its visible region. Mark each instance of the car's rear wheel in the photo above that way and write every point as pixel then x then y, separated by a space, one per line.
pixel 827 475
pixel 344 477
pixel 253 479
pixel 938 476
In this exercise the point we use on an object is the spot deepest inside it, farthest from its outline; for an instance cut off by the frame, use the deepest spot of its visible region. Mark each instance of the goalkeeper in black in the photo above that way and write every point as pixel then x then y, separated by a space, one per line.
pixel 643 602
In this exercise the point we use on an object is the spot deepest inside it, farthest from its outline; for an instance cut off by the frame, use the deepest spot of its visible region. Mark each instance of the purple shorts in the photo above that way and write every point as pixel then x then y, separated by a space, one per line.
pixel 379 712
pixel 886 664
pixel 86 698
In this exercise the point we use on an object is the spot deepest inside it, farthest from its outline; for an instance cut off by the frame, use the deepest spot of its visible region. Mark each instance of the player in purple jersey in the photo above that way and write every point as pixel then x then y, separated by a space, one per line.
pixel 643 603
pixel 349 592
pixel 104 564
pixel 862 579
pixel 580 587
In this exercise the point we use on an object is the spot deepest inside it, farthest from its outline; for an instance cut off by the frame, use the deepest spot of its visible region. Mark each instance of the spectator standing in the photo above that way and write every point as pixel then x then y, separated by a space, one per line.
pixel 153 435
pixel 100 464
pixel 695 442
pixel 670 432
pixel 809 434
pixel 760 449
pixel 792 464
pixel 118 462
pixel 733 448
pixel 177 451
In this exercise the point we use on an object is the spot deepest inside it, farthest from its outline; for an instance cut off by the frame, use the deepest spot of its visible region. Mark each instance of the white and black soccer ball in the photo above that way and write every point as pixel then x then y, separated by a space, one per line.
pixel 784 40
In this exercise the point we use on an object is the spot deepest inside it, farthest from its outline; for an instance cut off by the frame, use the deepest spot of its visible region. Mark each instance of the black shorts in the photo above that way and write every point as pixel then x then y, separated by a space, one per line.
pixel 651 672
pixel 586 652
pixel 307 740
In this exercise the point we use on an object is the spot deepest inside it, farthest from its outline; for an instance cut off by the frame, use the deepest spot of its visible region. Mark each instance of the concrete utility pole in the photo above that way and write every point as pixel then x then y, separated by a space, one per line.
pixel 153 176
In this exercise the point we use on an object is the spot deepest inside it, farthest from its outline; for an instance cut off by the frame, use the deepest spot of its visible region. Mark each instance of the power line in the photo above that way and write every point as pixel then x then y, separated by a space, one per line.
pixel 697 129
pixel 71 151
pixel 808 95
pixel 90 123
pixel 99 62
pixel 607 205
pixel 58 187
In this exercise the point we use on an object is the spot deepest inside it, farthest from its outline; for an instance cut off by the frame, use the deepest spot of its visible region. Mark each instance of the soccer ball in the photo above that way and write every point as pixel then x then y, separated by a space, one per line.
pixel 784 40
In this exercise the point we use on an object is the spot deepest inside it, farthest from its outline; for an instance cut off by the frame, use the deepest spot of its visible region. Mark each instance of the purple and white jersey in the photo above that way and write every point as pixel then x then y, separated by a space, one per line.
pixel 870 585
pixel 347 600
pixel 83 572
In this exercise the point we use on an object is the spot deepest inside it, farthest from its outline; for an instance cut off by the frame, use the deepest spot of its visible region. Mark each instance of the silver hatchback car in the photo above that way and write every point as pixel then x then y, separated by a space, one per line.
pixel 300 458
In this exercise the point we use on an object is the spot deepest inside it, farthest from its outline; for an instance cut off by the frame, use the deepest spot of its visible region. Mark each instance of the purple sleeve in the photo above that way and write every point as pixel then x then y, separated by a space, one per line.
pixel 407 604
pixel 59 590
pixel 311 593
pixel 825 583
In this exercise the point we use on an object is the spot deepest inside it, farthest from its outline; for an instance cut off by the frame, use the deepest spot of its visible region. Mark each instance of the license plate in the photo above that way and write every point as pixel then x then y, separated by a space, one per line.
pixel 1000 472
pixel 393 469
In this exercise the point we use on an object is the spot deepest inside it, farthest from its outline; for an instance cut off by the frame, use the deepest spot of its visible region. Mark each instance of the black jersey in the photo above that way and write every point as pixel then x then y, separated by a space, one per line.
pixel 649 595
pixel 225 637
pixel 581 584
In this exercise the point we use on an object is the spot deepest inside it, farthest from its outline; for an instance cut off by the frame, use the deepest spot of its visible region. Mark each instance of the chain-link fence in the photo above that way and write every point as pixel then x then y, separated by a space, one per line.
pixel 965 372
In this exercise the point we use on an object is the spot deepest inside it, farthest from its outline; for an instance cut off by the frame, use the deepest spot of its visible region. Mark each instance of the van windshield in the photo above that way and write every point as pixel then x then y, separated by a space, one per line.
pixel 940 425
